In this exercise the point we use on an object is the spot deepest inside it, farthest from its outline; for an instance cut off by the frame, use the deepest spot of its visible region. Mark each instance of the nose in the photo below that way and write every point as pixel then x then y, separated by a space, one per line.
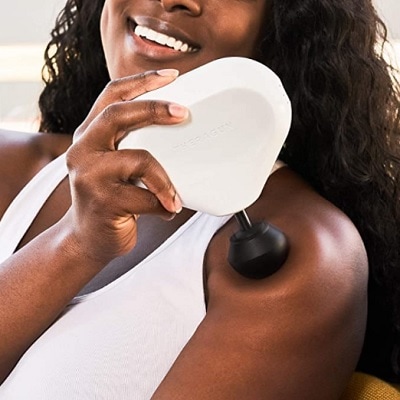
pixel 192 7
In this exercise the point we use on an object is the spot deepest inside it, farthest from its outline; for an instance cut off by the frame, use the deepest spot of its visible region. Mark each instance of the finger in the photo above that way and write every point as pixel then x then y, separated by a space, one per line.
pixel 134 201
pixel 128 88
pixel 134 165
pixel 117 119
pixel 124 167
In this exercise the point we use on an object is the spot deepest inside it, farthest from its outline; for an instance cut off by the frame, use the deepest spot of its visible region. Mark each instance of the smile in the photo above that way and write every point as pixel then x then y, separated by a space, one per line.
pixel 162 39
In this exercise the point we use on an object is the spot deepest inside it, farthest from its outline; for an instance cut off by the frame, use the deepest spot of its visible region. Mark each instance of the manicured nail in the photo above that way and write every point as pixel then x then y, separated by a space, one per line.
pixel 178 111
pixel 168 72
pixel 171 217
pixel 177 203
pixel 136 216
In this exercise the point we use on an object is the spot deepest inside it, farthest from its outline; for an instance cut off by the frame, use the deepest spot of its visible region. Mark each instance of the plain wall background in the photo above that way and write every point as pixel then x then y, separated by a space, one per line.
pixel 28 21
pixel 390 11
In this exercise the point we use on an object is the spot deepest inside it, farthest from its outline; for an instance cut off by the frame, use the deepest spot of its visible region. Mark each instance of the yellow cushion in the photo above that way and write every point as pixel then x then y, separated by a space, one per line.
pixel 367 387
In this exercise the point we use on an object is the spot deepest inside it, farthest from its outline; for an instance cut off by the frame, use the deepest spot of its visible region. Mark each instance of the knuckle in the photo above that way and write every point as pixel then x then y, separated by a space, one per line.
pixel 145 81
pixel 113 86
pixel 72 157
pixel 118 89
pixel 142 81
pixel 153 109
pixel 147 160
pixel 142 163
pixel 80 167
pixel 110 112
pixel 79 131
pixel 80 182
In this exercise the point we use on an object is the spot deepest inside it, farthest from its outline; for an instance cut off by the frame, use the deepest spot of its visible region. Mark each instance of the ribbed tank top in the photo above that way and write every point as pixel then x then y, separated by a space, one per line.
pixel 120 341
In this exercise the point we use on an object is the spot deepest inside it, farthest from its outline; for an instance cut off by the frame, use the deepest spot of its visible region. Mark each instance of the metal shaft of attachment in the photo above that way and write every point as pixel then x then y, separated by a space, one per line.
pixel 243 220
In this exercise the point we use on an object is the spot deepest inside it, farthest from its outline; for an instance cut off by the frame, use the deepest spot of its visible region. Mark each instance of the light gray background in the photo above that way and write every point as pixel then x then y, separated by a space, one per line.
pixel 28 20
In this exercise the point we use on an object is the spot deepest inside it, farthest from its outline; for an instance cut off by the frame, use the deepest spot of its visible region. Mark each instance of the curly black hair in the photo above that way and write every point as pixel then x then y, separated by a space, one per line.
pixel 344 137
pixel 75 69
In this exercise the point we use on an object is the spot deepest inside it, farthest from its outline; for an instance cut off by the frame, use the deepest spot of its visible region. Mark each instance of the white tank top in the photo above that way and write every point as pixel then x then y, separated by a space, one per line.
pixel 120 341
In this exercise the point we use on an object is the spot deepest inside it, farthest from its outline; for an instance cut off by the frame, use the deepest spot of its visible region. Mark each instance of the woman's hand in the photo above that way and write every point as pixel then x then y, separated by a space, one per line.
pixel 101 222
pixel 105 200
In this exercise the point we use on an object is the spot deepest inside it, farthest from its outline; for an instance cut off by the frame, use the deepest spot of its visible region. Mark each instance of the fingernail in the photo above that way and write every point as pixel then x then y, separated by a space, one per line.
pixel 170 217
pixel 168 72
pixel 178 111
pixel 177 203
pixel 136 216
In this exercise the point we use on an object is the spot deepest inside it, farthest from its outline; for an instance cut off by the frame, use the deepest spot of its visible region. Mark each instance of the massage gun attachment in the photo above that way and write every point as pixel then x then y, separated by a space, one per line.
pixel 259 250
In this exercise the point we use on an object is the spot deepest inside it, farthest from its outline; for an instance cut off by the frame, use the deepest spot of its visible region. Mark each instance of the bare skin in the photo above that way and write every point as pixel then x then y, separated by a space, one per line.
pixel 297 334
pixel 305 322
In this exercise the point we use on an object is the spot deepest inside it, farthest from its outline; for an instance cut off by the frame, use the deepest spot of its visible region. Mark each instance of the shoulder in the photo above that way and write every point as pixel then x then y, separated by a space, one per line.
pixel 321 236
pixel 22 155
pixel 313 310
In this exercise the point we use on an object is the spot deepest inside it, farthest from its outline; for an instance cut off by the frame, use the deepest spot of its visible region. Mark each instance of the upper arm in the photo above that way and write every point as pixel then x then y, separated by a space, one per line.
pixel 22 155
pixel 296 334
pixel 15 164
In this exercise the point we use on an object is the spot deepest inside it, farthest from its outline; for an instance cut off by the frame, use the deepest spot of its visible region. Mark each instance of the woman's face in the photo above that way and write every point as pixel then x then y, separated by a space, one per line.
pixel 141 35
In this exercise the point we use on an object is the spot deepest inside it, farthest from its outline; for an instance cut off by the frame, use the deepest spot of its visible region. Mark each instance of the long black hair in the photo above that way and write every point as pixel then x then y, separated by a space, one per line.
pixel 344 138
pixel 75 68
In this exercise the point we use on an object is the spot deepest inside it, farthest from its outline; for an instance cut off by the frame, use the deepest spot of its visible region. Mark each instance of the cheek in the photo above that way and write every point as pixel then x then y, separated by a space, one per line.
pixel 109 36
pixel 104 20
pixel 104 26
pixel 239 38
pixel 241 43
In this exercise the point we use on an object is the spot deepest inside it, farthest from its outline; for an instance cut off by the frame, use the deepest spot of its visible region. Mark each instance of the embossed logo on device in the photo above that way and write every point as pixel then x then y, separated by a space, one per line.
pixel 204 137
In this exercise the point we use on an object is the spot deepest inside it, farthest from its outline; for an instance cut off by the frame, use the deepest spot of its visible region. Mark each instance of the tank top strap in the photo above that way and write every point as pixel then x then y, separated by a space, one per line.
pixel 26 205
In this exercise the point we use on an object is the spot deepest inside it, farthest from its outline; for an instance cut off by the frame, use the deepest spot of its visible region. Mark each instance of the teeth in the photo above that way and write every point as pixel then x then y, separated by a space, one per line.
pixel 163 39
pixel 151 35
pixel 171 42
pixel 178 44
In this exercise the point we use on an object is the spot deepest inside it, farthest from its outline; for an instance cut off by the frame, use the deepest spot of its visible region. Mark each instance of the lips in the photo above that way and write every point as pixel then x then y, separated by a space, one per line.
pixel 162 34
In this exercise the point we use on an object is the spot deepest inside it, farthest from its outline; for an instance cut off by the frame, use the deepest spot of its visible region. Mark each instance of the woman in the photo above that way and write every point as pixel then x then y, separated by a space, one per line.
pixel 104 299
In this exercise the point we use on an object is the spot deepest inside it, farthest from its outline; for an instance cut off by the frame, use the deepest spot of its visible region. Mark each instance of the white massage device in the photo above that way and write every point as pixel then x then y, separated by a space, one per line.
pixel 220 158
